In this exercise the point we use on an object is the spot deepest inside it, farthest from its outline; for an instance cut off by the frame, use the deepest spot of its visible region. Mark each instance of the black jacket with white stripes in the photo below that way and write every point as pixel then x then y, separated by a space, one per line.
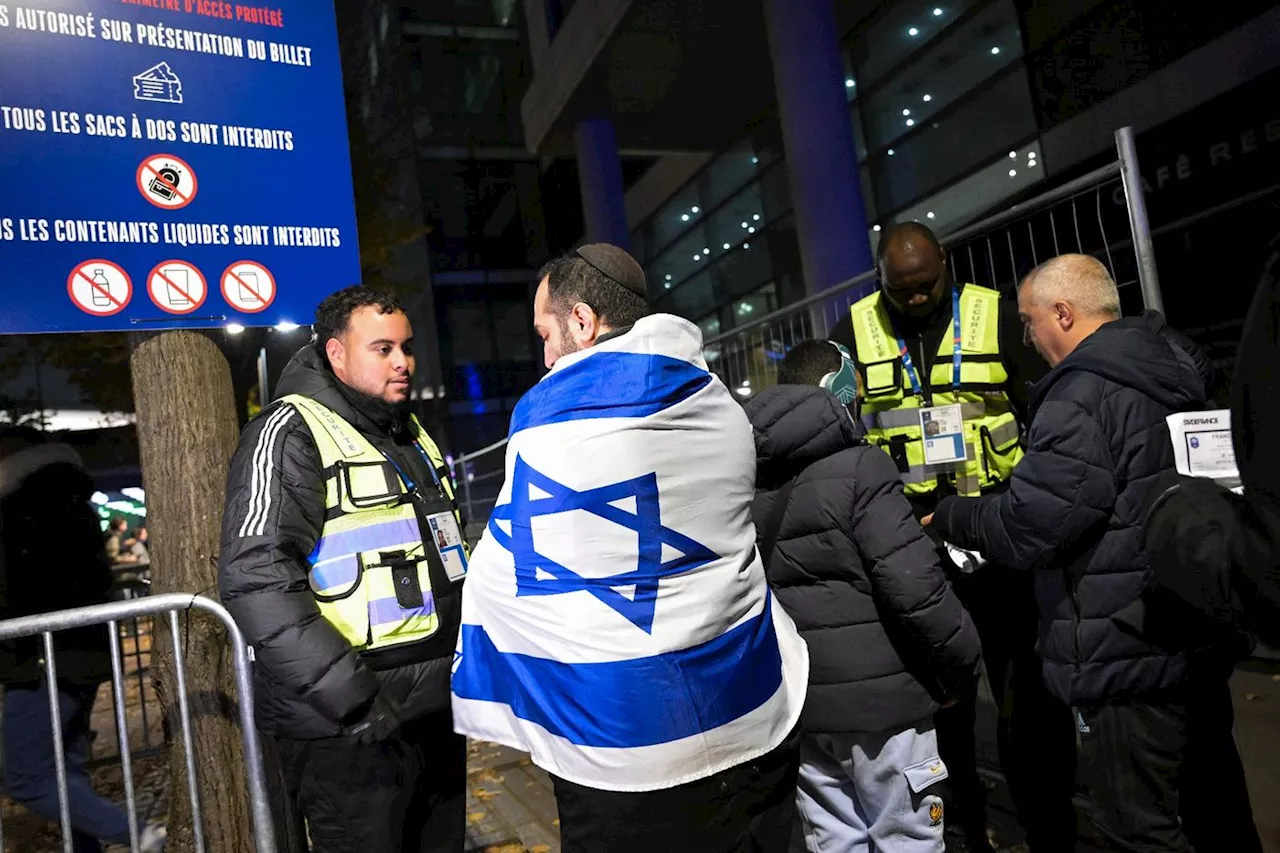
pixel 309 681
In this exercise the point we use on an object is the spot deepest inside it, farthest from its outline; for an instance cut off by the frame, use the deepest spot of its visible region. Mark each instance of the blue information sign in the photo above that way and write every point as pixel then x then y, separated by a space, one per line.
pixel 171 164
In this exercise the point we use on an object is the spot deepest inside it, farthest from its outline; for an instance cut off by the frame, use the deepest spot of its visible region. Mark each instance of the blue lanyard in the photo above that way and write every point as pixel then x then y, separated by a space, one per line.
pixel 909 366
pixel 408 481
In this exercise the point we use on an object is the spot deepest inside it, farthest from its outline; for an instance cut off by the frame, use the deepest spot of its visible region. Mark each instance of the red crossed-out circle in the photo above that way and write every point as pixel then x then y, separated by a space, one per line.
pixel 79 273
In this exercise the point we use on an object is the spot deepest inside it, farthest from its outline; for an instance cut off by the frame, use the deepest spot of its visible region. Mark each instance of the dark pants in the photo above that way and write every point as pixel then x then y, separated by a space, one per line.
pixel 749 808
pixel 404 795
pixel 30 768
pixel 1165 775
pixel 1035 732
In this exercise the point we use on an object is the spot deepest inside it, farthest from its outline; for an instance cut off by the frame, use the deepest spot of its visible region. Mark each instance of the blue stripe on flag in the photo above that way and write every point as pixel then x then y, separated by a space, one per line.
pixel 384 610
pixel 609 385
pixel 629 703
pixel 386 534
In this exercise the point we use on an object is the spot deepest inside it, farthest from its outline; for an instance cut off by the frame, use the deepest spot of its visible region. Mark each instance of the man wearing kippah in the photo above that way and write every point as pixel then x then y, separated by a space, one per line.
pixel 617 624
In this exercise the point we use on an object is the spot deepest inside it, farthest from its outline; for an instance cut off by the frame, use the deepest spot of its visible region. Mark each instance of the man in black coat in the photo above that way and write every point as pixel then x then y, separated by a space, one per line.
pixel 53 558
pixel 888 639
pixel 1153 705
pixel 1215 550
pixel 365 734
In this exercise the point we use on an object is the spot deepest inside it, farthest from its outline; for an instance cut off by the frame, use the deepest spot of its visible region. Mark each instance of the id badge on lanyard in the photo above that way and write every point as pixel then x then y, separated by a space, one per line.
pixel 941 427
pixel 447 540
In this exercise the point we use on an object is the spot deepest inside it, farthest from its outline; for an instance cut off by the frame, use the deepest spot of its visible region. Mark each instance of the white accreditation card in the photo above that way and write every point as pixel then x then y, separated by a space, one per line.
pixel 448 541
pixel 1202 445
pixel 943 430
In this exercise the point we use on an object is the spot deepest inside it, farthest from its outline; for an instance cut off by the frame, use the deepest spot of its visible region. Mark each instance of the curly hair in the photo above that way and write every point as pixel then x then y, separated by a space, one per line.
pixel 334 314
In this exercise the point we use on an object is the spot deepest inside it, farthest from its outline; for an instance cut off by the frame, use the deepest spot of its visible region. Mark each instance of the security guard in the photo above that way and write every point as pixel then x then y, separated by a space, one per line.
pixel 342 562
pixel 944 372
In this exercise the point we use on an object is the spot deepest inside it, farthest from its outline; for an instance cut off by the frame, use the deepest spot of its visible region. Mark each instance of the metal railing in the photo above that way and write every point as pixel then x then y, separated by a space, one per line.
pixel 112 615
pixel 997 251
pixel 478 476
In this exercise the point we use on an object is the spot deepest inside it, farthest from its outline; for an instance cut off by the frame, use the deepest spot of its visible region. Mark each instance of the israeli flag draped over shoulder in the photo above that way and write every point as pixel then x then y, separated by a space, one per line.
pixel 616 622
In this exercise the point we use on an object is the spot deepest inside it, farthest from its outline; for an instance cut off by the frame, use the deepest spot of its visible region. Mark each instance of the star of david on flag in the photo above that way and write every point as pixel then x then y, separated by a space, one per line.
pixel 534 494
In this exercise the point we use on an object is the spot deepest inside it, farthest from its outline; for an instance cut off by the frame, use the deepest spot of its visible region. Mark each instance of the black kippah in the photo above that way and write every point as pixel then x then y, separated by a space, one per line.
pixel 616 265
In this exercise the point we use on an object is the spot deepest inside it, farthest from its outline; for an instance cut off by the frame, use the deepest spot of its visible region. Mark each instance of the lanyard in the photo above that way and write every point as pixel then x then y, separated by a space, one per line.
pixel 909 366
pixel 408 481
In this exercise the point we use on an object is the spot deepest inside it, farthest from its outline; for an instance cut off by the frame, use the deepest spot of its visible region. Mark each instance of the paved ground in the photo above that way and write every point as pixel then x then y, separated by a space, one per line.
pixel 510 807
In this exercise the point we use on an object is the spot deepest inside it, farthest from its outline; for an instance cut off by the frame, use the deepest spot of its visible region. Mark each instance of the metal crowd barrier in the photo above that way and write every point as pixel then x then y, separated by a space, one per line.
pixel 997 251
pixel 112 614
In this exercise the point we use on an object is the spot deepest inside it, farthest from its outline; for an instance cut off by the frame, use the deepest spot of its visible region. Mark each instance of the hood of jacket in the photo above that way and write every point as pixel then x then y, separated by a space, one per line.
pixel 795 425
pixel 18 468
pixel 309 375
pixel 1128 352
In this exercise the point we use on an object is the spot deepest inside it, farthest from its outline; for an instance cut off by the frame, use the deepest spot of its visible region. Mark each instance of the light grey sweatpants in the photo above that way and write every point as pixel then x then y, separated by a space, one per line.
pixel 871 792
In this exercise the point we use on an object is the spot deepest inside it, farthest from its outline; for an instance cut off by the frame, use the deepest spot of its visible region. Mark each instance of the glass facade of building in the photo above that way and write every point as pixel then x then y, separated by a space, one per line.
pixel 944 127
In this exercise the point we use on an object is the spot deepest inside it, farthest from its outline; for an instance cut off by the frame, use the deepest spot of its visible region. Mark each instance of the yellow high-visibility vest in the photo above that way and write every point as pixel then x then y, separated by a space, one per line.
pixel 370 570
pixel 890 410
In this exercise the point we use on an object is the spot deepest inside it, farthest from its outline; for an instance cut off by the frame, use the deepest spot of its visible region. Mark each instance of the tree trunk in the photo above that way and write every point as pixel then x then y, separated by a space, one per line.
pixel 187 431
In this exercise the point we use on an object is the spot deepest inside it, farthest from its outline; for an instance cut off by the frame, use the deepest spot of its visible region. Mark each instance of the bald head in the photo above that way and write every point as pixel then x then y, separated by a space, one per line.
pixel 1063 301
pixel 913 269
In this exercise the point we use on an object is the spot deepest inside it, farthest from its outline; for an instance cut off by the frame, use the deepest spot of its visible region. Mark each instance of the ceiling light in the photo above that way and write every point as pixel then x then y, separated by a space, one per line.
pixel 668 276
pixel 755 159
pixel 906 112
pixel 848 83
pixel 697 257
pixel 911 122
pixel 756 217
pixel 99 498
pixel 684 217
pixel 928 98
pixel 890 152
pixel 937 13
pixel 693 209
pixel 751 230
pixel 706 252
pixel 1013 155
pixel 994 51
pixel 234 328
pixel 286 326
pixel 667 285
pixel 929 214
pixel 726 245
pixel 875 228
pixel 746 383
pixel 746 245
pixel 1031 155
pixel 744 225
pixel 743 391
pixel 1013 173
pixel 913 32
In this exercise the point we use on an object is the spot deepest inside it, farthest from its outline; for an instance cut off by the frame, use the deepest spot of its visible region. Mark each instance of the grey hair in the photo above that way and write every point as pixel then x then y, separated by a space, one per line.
pixel 1081 281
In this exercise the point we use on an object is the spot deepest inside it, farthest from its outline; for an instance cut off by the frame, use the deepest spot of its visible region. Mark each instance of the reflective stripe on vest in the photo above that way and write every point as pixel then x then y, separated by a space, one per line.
pixel 891 413
pixel 370 572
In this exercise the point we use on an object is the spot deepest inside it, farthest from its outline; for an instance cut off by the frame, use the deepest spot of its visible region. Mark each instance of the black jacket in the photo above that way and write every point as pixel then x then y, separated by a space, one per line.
pixel 309 681
pixel 1073 514
pixel 1217 551
pixel 887 637
pixel 54 558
